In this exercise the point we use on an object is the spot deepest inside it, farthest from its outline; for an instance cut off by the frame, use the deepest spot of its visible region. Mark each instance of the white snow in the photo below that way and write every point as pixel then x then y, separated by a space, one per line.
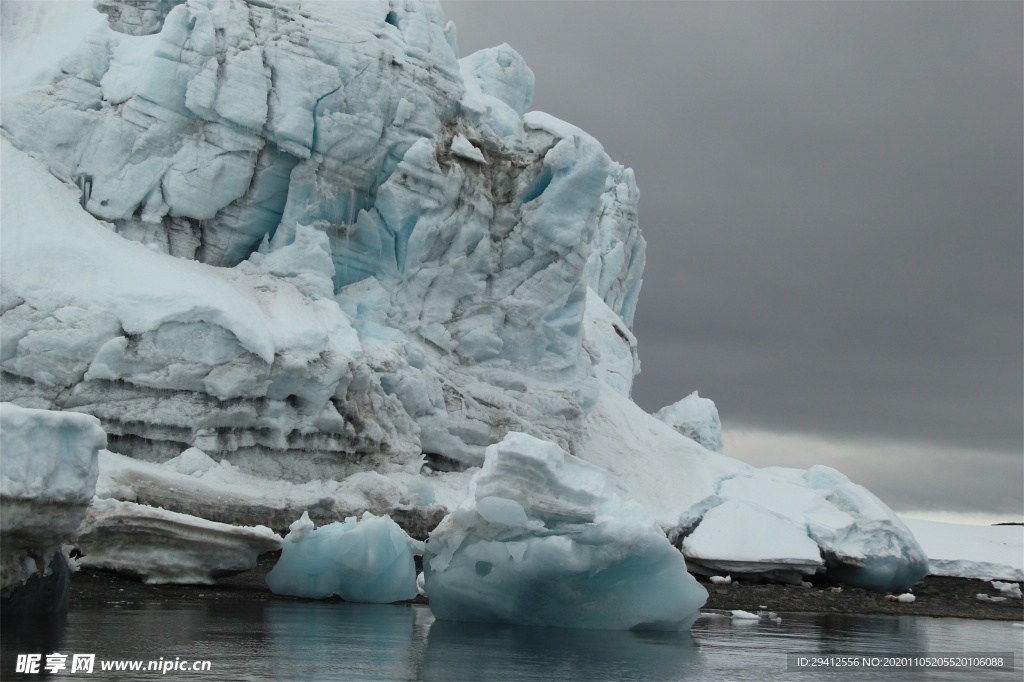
pixel 968 551
pixel 362 560
pixel 540 540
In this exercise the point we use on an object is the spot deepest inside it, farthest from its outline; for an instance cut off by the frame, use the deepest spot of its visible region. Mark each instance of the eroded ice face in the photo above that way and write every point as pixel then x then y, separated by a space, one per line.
pixel 540 540
pixel 361 560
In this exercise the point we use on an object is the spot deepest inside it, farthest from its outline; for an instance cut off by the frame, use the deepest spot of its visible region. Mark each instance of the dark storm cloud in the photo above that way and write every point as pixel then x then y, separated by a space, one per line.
pixel 832 199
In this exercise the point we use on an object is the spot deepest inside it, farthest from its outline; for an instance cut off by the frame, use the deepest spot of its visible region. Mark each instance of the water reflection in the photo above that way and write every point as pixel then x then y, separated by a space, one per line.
pixel 465 651
pixel 260 641
pixel 343 641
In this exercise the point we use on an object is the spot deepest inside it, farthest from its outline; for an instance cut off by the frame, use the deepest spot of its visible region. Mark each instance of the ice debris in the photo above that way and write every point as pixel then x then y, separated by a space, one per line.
pixel 739 614
pixel 1011 590
pixel 540 540
pixel 360 560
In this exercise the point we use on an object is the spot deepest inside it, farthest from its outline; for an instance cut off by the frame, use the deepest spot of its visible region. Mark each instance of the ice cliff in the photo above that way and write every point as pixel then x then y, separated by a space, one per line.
pixel 385 243
pixel 309 246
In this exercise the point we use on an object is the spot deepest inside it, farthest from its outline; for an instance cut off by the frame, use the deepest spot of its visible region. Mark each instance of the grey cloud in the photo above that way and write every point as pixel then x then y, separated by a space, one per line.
pixel 832 196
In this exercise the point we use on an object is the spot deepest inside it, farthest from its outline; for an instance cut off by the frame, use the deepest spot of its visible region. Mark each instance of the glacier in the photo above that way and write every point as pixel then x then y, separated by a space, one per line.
pixel 540 540
pixel 302 257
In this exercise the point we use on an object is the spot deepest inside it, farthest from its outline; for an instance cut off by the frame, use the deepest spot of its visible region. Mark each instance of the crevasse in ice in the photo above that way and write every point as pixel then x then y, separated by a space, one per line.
pixel 540 540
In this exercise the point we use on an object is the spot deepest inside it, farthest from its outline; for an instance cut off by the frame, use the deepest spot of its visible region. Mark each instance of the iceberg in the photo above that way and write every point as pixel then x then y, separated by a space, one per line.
pixel 293 257
pixel 48 475
pixel 541 541
pixel 361 560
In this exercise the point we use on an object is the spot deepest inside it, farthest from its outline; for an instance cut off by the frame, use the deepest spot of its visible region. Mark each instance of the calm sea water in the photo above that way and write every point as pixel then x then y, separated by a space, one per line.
pixel 336 641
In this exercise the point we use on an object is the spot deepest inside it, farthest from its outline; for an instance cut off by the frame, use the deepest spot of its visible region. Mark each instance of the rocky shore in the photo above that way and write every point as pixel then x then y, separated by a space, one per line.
pixel 935 596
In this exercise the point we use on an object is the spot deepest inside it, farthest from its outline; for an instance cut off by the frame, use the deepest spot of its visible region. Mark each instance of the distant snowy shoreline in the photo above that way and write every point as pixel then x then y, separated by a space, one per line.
pixel 940 597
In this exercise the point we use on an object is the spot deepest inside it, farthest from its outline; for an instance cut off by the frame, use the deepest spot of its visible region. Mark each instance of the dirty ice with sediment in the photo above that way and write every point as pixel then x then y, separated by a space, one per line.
pixel 300 262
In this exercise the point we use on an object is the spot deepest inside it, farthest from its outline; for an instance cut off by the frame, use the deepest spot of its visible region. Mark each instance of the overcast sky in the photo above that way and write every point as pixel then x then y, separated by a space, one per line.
pixel 831 194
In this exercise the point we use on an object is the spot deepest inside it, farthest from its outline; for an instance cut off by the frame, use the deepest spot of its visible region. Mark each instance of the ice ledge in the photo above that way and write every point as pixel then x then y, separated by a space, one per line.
pixel 168 547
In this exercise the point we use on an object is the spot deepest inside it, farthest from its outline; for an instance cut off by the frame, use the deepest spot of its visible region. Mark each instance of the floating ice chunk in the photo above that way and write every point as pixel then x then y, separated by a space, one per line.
pixel 540 540
pixel 365 560
pixel 1007 589
pixel 745 615
pixel 696 418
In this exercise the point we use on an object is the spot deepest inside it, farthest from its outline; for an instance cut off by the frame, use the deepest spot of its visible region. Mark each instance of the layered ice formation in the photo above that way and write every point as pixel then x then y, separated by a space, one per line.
pixel 541 541
pixel 48 475
pixel 160 546
pixel 361 560
pixel 287 253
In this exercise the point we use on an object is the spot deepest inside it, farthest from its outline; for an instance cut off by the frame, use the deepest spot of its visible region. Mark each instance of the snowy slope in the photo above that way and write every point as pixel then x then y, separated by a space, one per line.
pixel 966 551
